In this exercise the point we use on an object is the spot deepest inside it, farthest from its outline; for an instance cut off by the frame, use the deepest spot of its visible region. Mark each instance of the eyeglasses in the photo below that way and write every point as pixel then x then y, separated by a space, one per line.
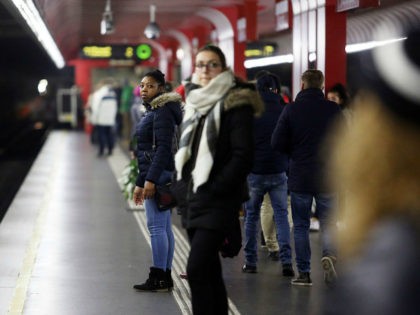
pixel 148 86
pixel 210 65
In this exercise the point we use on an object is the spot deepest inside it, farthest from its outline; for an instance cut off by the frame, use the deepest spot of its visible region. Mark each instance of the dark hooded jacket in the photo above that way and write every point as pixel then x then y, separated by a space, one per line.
pixel 155 134
pixel 267 160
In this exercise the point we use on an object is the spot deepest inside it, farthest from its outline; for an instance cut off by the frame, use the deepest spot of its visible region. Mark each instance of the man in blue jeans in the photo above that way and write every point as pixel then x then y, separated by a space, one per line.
pixel 267 176
pixel 300 132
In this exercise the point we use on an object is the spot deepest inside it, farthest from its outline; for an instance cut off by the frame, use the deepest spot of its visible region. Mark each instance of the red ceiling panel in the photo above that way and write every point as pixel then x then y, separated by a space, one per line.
pixel 77 22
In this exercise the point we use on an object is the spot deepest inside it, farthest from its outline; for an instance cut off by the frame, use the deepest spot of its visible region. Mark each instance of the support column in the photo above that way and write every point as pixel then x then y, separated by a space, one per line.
pixel 251 11
pixel 319 40
pixel 335 48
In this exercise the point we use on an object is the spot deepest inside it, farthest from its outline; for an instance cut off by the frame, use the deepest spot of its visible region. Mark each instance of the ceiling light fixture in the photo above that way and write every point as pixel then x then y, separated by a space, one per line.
pixel 152 30
pixel 107 22
pixel 30 13
pixel 352 48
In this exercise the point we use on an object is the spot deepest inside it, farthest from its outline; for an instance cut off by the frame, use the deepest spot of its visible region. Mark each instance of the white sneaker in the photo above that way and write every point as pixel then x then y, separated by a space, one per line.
pixel 328 264
pixel 314 227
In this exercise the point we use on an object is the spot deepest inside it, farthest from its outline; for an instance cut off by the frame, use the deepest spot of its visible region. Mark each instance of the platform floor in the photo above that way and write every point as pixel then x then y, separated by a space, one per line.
pixel 71 245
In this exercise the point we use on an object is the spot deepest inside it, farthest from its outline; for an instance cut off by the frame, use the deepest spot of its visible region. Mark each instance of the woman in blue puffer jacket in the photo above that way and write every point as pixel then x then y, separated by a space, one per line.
pixel 155 134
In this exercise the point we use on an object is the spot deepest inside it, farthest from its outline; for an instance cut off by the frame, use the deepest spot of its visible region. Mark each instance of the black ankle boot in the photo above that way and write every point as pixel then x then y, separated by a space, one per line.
pixel 169 279
pixel 155 283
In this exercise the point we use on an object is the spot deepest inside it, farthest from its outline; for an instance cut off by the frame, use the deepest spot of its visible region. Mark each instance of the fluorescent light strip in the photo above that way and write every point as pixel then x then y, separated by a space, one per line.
pixel 370 45
pixel 31 15
pixel 261 62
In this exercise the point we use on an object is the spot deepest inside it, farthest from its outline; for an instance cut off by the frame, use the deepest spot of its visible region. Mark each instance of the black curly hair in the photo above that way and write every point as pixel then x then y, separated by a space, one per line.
pixel 157 75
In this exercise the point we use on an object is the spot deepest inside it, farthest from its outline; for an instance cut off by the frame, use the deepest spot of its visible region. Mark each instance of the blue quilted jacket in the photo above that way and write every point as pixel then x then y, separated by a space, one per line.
pixel 155 135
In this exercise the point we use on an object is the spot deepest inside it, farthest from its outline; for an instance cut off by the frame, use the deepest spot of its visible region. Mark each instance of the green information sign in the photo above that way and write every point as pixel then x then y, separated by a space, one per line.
pixel 143 51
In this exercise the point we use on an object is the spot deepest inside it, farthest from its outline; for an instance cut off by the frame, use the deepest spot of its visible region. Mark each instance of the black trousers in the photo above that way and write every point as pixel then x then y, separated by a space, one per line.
pixel 106 138
pixel 204 270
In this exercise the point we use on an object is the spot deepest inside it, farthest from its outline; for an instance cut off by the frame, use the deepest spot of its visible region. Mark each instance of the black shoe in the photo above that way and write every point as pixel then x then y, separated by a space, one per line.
pixel 330 275
pixel 274 256
pixel 288 270
pixel 303 279
pixel 169 279
pixel 155 283
pixel 249 269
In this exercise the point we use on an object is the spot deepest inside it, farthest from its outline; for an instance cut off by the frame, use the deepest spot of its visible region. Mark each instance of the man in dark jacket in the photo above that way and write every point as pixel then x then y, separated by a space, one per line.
pixel 300 132
pixel 268 175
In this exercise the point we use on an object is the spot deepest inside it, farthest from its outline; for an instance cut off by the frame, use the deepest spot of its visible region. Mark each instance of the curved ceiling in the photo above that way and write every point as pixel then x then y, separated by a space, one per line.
pixel 76 22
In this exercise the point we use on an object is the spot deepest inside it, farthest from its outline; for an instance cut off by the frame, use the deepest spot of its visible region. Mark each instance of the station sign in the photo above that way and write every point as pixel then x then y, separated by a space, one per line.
pixel 117 52
pixel 345 5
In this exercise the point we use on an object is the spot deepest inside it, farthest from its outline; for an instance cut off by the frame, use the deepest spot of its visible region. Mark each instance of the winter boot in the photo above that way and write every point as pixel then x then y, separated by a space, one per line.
pixel 155 283
pixel 169 279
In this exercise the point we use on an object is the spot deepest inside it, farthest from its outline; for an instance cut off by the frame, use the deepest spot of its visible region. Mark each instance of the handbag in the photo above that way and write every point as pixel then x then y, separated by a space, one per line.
pixel 232 242
pixel 165 200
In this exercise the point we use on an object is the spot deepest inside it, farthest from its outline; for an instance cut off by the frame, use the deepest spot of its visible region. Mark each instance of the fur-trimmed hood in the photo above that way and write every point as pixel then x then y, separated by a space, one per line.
pixel 164 98
pixel 244 96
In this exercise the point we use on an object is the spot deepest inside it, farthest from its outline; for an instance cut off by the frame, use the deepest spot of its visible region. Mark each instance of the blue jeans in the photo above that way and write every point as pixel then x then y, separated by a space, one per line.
pixel 160 229
pixel 276 186
pixel 301 214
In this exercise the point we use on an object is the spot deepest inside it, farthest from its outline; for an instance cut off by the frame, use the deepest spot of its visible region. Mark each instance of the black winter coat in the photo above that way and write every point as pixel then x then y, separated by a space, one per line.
pixel 157 128
pixel 300 133
pixel 216 204
pixel 267 160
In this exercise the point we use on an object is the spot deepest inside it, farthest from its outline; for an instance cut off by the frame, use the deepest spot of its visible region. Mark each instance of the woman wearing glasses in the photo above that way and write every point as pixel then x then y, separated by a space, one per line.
pixel 214 157
pixel 155 133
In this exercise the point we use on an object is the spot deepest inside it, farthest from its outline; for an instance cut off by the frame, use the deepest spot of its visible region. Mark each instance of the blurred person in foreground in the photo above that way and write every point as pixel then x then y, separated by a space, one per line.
pixel 378 162
pixel 215 155
pixel 300 133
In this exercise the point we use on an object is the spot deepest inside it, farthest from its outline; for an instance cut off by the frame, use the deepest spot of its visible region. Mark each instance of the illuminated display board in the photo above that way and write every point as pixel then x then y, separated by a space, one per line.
pixel 120 52
pixel 260 49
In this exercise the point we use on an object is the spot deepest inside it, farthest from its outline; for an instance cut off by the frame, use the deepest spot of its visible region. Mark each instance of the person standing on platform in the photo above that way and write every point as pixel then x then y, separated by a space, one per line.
pixel 155 133
pixel 268 175
pixel 126 101
pixel 300 133
pixel 104 112
pixel 338 93
pixel 214 157
pixel 377 162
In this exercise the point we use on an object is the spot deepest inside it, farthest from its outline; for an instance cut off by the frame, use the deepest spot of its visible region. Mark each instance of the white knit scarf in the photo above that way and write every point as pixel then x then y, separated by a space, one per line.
pixel 206 101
